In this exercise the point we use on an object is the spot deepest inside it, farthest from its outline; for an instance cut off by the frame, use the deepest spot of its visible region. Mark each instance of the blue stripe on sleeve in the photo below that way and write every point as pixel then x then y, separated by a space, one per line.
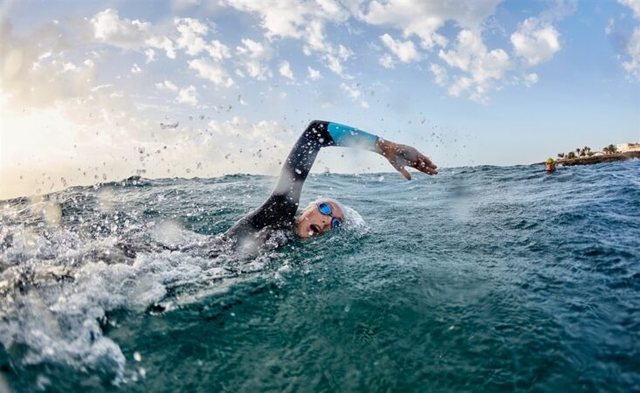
pixel 348 136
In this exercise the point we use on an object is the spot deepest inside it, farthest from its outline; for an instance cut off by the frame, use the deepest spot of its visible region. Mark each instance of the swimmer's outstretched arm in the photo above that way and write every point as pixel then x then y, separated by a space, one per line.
pixel 280 208
pixel 321 134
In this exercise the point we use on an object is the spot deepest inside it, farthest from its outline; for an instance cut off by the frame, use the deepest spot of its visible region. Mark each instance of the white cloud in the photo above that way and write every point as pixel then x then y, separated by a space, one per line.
pixel 188 96
pixel 285 70
pixel 191 35
pixel 278 18
pixel 460 85
pixel 531 79
pixel 100 87
pixel 424 18
pixel 610 26
pixel 387 61
pixel 439 73
pixel 469 67
pixel 480 66
pixel 109 28
pixel 164 43
pixel 36 70
pixel 343 52
pixel 252 49
pixel 257 70
pixel 218 51
pixel 405 51
pixel 632 48
pixel 335 65
pixel 471 55
pixel 313 74
pixel 303 20
pixel 166 85
pixel 68 66
pixel 632 65
pixel 135 69
pixel 72 128
pixel 293 18
pixel 469 46
pixel 253 56
pixel 211 71
pixel 315 37
pixel 150 55
pixel 492 65
pixel 124 33
pixel 535 41
pixel 45 55
pixel 634 5
pixel 354 92
pixel 82 131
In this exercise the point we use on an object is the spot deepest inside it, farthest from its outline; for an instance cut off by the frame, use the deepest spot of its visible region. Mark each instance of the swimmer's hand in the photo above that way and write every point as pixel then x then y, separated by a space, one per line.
pixel 401 156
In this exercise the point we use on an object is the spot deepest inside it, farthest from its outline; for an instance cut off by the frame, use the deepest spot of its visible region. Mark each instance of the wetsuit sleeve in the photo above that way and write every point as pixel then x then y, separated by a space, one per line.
pixel 279 210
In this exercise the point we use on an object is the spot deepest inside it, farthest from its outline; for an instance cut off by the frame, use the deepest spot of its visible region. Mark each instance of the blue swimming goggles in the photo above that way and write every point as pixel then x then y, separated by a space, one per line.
pixel 325 209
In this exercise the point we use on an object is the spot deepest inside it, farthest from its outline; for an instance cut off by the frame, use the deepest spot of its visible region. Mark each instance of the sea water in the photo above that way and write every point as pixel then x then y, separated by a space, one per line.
pixel 477 279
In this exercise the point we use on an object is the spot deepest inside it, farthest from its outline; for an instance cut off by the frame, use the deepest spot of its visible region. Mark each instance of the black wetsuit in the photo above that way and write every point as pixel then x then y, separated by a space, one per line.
pixel 278 211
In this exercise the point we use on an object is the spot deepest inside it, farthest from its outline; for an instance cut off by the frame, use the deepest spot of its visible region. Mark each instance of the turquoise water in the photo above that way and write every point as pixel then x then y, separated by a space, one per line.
pixel 478 279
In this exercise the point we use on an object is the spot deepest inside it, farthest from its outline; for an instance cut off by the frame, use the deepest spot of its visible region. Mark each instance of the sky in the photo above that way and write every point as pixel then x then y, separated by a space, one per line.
pixel 94 91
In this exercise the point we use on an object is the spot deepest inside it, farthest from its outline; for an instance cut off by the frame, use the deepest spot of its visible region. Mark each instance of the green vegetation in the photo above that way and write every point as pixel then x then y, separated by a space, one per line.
pixel 585 156
pixel 578 152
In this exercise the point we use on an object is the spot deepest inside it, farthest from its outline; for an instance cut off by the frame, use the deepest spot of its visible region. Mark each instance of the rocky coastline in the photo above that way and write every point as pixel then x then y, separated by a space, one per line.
pixel 596 159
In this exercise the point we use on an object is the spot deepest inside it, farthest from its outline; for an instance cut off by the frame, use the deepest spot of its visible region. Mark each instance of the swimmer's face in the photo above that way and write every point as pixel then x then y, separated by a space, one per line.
pixel 312 222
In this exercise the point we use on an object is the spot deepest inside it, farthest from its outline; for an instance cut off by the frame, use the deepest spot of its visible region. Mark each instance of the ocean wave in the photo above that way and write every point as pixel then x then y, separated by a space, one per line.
pixel 476 260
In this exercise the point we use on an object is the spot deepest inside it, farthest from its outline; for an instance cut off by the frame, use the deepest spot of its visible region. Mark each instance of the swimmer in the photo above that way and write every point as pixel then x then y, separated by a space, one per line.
pixel 550 165
pixel 279 210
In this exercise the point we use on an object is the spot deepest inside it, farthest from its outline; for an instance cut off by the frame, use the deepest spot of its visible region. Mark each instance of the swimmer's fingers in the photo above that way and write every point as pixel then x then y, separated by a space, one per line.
pixel 403 171
pixel 398 161
pixel 425 165
pixel 418 160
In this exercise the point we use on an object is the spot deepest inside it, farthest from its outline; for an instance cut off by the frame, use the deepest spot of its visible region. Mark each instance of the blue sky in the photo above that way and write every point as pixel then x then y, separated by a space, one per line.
pixel 86 85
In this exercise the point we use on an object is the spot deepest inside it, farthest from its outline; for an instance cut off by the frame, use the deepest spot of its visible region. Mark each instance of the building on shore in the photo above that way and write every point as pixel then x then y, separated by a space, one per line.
pixel 626 147
pixel 621 151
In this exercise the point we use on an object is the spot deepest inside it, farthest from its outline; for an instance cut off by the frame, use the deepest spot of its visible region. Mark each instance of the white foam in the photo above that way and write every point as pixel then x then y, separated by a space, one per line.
pixel 56 287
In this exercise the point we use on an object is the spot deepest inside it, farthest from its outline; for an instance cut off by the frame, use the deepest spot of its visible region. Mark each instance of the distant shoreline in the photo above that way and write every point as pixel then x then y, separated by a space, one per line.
pixel 596 159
